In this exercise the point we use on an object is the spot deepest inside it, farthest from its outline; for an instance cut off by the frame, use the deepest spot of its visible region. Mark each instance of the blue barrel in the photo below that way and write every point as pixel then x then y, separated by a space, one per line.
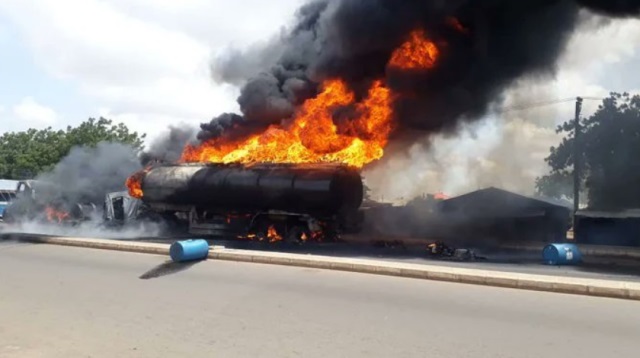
pixel 189 250
pixel 561 254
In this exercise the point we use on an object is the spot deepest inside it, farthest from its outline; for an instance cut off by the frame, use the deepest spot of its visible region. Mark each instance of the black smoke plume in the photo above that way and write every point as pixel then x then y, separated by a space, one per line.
pixel 500 41
pixel 168 148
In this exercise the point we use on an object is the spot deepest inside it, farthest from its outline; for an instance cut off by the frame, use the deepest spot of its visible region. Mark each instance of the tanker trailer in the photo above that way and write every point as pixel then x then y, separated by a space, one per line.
pixel 263 201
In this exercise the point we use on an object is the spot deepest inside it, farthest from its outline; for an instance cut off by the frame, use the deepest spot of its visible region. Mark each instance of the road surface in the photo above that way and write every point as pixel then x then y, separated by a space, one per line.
pixel 71 302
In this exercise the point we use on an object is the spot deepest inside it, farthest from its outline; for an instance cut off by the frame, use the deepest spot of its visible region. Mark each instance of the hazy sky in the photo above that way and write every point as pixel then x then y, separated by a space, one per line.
pixel 142 62
pixel 145 62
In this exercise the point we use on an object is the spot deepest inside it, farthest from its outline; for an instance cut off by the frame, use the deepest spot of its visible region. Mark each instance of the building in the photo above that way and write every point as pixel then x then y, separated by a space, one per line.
pixel 617 228
pixel 488 216
pixel 416 219
pixel 496 215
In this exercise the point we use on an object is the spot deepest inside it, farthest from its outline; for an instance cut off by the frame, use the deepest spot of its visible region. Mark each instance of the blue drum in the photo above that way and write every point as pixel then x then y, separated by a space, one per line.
pixel 189 250
pixel 561 254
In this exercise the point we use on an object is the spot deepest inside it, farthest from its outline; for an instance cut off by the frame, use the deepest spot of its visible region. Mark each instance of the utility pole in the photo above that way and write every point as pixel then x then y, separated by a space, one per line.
pixel 577 155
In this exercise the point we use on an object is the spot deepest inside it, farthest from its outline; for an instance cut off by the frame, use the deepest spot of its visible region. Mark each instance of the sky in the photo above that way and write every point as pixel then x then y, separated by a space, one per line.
pixel 145 63
pixel 141 62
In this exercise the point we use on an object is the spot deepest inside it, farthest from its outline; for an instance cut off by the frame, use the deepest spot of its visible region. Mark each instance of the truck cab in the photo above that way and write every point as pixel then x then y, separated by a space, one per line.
pixel 120 208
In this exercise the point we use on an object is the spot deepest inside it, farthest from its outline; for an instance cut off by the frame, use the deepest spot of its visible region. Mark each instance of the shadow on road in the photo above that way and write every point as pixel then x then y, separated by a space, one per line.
pixel 167 268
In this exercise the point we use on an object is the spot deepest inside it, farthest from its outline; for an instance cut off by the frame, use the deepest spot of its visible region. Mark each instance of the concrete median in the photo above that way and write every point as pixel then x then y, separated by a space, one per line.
pixel 93 243
pixel 582 286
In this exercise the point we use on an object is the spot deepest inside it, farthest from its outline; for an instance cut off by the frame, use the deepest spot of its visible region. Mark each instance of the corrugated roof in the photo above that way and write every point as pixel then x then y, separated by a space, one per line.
pixel 543 200
pixel 622 214
pixel 552 201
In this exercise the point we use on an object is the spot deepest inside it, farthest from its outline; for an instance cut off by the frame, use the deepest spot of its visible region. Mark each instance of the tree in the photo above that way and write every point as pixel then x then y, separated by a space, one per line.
pixel 29 153
pixel 92 132
pixel 610 153
pixel 558 184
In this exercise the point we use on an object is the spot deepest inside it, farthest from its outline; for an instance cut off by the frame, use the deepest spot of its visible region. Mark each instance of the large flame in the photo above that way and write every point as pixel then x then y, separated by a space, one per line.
pixel 313 136
pixel 134 183
pixel 417 53
pixel 333 127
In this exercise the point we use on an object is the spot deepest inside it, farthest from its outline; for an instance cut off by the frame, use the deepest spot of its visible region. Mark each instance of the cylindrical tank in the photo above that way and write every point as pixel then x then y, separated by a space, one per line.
pixel 189 250
pixel 561 254
pixel 320 189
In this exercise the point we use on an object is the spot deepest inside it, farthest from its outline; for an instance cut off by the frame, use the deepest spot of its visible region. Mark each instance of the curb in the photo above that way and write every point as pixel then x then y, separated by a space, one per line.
pixel 589 250
pixel 580 286
pixel 103 244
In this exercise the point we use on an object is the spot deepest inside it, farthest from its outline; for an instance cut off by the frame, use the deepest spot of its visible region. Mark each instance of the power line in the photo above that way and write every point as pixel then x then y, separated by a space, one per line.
pixel 543 104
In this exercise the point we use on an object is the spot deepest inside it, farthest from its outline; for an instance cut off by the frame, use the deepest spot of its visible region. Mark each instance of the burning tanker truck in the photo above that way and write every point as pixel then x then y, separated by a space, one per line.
pixel 337 91
pixel 263 202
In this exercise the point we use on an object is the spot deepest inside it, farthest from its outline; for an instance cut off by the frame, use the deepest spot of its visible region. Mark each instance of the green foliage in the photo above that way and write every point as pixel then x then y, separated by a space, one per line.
pixel 558 184
pixel 610 152
pixel 92 132
pixel 26 154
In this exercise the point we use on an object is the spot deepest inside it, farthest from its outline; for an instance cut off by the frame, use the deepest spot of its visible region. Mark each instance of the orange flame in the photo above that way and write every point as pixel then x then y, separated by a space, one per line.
pixel 440 196
pixel 316 133
pixel 54 215
pixel 249 237
pixel 134 183
pixel 273 235
pixel 313 136
pixel 418 53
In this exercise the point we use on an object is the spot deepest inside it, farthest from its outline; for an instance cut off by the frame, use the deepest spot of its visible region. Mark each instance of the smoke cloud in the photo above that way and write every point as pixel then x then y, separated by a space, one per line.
pixel 502 41
pixel 506 149
pixel 168 146
pixel 87 174
pixel 91 228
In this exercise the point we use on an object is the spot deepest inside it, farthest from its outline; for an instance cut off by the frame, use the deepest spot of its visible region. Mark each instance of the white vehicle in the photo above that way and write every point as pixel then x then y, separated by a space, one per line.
pixel 7 194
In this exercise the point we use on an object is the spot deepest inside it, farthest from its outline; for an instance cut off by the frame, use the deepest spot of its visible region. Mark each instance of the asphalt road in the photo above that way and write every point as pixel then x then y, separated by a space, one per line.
pixel 71 302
